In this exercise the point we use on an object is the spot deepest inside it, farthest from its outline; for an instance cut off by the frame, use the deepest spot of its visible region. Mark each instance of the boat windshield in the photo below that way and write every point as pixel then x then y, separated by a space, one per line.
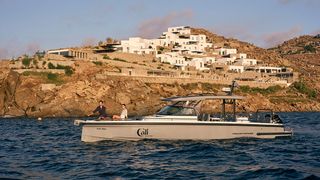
pixel 177 110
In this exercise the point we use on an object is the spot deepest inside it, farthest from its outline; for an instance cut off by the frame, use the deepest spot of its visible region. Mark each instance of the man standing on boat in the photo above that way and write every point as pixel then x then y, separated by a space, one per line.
pixel 101 109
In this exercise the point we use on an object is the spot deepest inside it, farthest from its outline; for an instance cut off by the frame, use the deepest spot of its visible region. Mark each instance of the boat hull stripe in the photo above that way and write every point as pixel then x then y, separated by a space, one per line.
pixel 274 133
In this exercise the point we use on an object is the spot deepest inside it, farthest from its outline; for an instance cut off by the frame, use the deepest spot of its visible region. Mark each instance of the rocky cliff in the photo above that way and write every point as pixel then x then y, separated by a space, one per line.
pixel 30 95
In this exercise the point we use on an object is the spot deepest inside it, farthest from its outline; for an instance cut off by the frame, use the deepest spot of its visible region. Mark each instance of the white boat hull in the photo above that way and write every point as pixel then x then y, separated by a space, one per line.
pixel 93 131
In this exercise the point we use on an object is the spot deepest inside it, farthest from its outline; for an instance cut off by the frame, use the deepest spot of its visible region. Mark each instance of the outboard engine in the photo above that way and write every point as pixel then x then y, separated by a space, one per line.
pixel 276 119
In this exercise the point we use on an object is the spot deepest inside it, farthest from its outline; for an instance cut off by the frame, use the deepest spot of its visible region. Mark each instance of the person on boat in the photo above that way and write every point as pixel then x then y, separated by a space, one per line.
pixel 101 109
pixel 123 115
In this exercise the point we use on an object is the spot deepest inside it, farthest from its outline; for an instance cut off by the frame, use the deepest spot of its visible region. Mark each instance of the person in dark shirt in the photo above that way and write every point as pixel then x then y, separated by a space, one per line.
pixel 101 109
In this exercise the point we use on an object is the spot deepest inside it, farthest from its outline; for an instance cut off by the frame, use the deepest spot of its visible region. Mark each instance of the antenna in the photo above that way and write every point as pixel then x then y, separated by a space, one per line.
pixel 233 85
pixel 229 90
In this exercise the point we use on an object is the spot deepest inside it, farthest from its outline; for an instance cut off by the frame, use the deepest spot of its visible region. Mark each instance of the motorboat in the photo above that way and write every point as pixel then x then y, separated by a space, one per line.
pixel 182 119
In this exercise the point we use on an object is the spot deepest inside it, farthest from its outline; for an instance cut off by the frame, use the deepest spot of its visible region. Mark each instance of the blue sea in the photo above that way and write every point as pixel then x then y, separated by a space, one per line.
pixel 51 149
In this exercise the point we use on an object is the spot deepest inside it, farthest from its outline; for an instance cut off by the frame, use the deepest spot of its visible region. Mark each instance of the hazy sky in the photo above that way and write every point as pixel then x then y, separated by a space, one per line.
pixel 30 25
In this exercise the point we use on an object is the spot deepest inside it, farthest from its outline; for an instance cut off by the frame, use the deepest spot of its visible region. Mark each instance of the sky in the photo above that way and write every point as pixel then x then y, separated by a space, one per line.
pixel 28 26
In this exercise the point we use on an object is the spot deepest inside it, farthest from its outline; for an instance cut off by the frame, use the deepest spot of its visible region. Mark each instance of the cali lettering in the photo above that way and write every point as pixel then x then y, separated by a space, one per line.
pixel 142 132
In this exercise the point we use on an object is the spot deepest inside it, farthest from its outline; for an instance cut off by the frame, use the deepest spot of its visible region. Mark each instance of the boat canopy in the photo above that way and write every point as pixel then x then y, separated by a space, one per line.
pixel 201 98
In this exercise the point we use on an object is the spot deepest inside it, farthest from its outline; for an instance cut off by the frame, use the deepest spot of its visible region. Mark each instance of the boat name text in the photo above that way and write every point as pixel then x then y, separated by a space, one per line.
pixel 142 132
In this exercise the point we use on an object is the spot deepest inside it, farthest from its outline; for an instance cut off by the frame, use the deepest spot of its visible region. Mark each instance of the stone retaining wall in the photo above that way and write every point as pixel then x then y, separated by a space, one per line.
pixel 172 80
pixel 56 71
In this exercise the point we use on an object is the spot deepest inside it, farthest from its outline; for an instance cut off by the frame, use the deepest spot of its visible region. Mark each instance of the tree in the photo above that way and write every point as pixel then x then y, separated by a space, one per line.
pixel 309 48
pixel 26 61
pixel 68 70
pixel 51 66
pixel 35 62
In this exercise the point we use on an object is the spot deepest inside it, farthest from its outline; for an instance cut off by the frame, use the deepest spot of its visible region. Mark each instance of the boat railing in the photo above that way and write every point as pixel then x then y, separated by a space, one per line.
pixel 266 116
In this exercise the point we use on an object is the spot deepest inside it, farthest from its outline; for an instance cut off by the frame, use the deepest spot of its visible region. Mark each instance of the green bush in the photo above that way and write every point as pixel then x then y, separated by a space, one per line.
pixel 68 70
pixel 51 66
pixel 26 61
pixel 269 90
pixel 245 89
pixel 309 48
pixel 60 66
pixel 304 89
pixel 52 76
pixel 119 59
pixel 98 63
pixel 106 57
pixel 35 62
pixel 208 86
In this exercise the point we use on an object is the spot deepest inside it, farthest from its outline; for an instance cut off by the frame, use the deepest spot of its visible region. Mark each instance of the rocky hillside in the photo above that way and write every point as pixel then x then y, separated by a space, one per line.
pixel 304 55
pixel 300 45
pixel 251 50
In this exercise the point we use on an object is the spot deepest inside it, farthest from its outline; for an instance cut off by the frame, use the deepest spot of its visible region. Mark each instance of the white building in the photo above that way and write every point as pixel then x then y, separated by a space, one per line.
pixel 200 38
pixel 235 68
pixel 225 61
pixel 210 59
pixel 62 52
pixel 172 58
pixel 241 55
pixel 198 63
pixel 180 38
pixel 268 69
pixel 138 45
pixel 226 51
pixel 246 62
pixel 180 29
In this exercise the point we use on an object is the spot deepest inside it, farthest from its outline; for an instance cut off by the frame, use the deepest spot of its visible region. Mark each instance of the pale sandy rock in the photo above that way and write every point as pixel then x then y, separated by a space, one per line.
pixel 47 87
pixel 123 98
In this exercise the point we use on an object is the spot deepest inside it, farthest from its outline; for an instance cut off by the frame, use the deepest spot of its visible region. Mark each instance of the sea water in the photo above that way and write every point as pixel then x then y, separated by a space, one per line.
pixel 51 149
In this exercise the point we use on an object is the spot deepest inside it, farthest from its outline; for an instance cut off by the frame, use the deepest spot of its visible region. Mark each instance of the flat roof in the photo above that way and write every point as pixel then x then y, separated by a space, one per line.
pixel 199 98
